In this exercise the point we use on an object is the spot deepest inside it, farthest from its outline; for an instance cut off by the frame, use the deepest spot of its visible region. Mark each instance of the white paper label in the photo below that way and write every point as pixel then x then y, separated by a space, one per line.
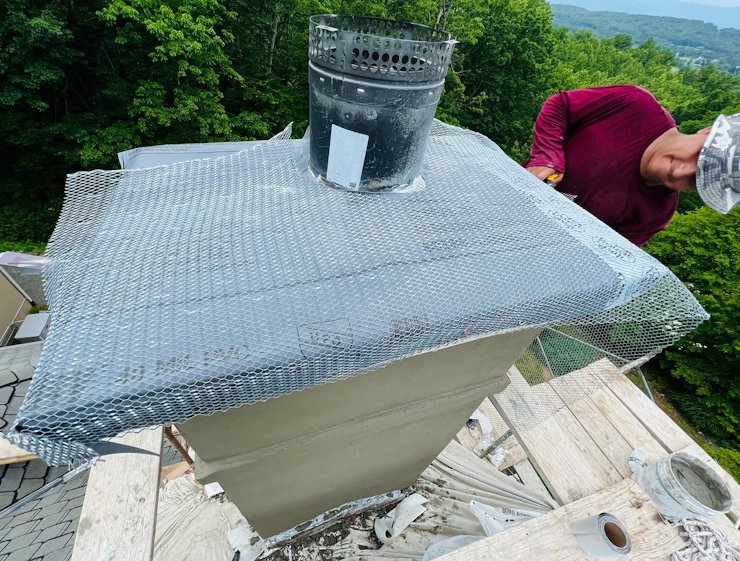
pixel 346 157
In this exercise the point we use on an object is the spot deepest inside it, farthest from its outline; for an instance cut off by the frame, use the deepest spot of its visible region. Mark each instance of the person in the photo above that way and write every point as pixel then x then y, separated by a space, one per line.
pixel 619 152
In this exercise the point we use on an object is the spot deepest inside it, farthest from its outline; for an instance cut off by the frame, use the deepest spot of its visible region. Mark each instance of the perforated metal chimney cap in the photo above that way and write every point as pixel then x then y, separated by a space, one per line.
pixel 380 49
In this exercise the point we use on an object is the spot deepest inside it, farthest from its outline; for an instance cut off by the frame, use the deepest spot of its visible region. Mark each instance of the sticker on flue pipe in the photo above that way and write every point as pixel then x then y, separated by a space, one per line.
pixel 602 535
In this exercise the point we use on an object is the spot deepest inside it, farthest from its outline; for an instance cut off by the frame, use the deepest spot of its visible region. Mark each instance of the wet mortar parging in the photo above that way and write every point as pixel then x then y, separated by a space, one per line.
pixel 289 459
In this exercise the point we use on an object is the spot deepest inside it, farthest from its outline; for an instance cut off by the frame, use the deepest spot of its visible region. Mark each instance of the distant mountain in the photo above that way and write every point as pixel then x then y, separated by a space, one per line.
pixel 694 42
pixel 721 16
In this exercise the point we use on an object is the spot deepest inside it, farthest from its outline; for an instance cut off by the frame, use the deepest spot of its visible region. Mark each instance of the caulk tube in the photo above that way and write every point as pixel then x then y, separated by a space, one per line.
pixel 602 535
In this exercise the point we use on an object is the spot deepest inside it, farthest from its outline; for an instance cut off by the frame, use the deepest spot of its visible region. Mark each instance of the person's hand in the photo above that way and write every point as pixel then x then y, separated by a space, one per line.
pixel 542 173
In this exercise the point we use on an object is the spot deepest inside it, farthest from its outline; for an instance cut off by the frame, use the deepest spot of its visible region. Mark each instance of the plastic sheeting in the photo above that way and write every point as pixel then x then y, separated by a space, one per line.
pixel 191 526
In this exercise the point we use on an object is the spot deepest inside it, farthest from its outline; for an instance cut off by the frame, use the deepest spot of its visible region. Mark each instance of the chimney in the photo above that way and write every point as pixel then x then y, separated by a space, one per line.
pixel 374 87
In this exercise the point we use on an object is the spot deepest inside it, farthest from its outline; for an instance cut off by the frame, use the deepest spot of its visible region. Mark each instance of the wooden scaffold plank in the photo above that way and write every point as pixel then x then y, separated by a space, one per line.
pixel 530 477
pixel 628 426
pixel 577 390
pixel 550 536
pixel 660 425
pixel 119 511
pixel 565 456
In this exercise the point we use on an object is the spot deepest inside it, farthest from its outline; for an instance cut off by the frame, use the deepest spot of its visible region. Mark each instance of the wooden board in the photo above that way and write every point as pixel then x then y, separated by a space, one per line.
pixel 605 434
pixel 661 426
pixel 467 437
pixel 583 382
pixel 119 511
pixel 497 422
pixel 565 456
pixel 10 454
pixel 631 428
pixel 530 477
pixel 516 453
pixel 549 537
pixel 577 390
pixel 175 470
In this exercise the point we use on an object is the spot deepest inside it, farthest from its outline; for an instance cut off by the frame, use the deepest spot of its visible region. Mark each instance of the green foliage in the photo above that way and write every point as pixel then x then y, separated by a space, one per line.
pixel 688 201
pixel 35 248
pixel 702 249
pixel 556 352
pixel 28 223
pixel 712 92
pixel 727 458
pixel 185 42
pixel 583 60
pixel 506 71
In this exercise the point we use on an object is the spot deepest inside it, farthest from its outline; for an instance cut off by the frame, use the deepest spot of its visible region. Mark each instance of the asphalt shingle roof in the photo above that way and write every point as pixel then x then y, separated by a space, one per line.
pixel 38 527
pixel 43 528
pixel 18 480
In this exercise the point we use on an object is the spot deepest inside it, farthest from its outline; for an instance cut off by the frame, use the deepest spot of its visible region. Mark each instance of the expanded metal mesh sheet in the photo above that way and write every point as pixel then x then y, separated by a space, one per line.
pixel 199 286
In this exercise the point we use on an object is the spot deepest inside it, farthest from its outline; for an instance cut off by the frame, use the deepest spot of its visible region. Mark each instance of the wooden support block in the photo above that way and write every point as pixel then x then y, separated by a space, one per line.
pixel 119 511
pixel 11 454
pixel 465 438
pixel 497 422
pixel 175 441
pixel 661 426
pixel 550 536
pixel 516 453
pixel 176 470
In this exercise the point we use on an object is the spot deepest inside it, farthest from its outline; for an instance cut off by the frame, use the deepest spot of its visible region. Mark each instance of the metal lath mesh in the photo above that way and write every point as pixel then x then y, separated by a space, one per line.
pixel 200 286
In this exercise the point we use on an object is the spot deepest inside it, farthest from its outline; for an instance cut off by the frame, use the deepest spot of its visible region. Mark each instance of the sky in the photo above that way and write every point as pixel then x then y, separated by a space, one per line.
pixel 722 13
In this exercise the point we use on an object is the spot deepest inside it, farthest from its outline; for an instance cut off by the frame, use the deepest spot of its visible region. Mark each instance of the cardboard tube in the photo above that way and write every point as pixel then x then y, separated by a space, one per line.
pixel 602 535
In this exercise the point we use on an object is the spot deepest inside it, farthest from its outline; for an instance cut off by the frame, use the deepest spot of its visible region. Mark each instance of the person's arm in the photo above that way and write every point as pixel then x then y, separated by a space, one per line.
pixel 549 135
pixel 564 112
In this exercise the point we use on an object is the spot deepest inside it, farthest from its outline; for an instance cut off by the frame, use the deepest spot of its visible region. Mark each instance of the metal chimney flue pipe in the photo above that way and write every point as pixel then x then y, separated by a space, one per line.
pixel 374 87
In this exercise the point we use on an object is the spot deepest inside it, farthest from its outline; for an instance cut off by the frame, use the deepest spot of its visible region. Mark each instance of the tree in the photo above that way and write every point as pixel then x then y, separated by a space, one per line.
pixel 714 92
pixel 507 70
pixel 37 53
pixel 583 60
pixel 185 42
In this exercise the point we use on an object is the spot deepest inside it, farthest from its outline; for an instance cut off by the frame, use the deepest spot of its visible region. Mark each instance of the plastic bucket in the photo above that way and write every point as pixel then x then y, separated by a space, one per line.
pixel 378 78
pixel 682 486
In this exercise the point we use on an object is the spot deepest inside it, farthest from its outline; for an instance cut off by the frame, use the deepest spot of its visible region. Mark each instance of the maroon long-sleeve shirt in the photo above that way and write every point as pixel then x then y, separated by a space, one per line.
pixel 596 137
